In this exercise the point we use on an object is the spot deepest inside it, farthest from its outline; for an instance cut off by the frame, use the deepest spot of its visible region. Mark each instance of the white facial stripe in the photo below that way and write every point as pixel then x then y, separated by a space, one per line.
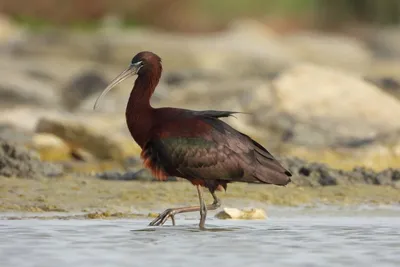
pixel 137 63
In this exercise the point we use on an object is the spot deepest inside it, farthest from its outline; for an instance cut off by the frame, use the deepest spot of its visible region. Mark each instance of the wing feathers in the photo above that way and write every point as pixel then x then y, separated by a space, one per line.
pixel 214 113
pixel 220 153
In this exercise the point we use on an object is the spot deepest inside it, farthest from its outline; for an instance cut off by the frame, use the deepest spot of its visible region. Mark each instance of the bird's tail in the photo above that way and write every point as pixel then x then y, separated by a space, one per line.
pixel 268 169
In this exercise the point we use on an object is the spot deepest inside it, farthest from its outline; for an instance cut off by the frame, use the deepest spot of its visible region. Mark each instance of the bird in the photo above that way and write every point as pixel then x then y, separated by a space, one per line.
pixel 194 145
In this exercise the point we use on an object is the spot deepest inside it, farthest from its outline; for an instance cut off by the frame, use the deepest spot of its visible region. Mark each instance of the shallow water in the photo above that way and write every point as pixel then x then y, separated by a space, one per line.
pixel 290 238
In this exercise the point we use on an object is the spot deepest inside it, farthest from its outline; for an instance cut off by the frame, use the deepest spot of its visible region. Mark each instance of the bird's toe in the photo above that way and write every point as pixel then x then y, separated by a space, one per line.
pixel 163 217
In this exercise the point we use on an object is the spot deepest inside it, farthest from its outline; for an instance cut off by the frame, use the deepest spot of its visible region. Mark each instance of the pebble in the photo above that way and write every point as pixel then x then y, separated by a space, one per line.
pixel 237 214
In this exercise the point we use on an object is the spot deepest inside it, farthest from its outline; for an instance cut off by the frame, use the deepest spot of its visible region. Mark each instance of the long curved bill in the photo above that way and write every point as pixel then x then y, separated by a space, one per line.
pixel 130 71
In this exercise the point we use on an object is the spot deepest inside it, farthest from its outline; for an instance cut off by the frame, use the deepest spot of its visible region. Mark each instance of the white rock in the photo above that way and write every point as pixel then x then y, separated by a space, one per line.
pixel 233 213
pixel 44 140
pixel 26 118
pixel 339 103
pixel 102 137
pixel 50 147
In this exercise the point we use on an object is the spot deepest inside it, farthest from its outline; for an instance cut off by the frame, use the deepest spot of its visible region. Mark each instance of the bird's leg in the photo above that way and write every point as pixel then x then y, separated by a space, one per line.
pixel 163 217
pixel 203 207
pixel 216 203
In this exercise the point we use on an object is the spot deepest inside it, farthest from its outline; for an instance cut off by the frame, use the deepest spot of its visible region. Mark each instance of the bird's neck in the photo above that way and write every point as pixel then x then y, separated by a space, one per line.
pixel 139 112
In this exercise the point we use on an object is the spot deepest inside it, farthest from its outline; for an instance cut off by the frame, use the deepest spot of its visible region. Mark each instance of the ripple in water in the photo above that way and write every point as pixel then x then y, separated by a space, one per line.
pixel 290 241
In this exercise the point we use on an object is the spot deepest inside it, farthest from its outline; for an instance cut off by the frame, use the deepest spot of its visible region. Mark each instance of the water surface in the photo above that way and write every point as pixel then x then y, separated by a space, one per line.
pixel 286 239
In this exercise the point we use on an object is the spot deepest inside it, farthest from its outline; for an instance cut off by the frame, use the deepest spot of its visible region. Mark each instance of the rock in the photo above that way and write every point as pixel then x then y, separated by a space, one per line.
pixel 233 213
pixel 116 176
pixel 328 106
pixel 317 174
pixel 312 174
pixel 388 84
pixel 51 147
pixel 248 46
pixel 15 134
pixel 51 72
pixel 116 100
pixel 388 177
pixel 330 50
pixel 396 184
pixel 26 118
pixel 81 154
pixel 81 87
pixel 140 175
pixel 179 78
pixel 132 161
pixel 360 175
pixel 17 161
pixel 21 89
pixel 231 94
pixel 101 137
pixel 384 42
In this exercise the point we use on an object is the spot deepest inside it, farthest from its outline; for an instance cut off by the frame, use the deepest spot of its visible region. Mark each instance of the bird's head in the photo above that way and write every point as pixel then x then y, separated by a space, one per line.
pixel 142 63
pixel 145 62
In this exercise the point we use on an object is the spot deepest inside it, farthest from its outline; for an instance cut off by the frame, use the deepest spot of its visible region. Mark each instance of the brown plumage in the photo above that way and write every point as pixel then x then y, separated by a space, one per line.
pixel 195 145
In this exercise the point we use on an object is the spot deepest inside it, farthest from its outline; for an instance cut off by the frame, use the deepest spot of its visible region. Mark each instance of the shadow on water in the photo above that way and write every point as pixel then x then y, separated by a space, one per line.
pixel 188 228
pixel 222 226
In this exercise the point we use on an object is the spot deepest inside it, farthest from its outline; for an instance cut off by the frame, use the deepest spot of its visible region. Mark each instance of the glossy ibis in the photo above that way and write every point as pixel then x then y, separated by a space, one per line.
pixel 195 145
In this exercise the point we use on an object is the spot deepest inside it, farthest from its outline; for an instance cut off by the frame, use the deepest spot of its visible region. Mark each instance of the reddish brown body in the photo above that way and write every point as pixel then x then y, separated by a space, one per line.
pixel 160 131
pixel 195 145
pixel 162 176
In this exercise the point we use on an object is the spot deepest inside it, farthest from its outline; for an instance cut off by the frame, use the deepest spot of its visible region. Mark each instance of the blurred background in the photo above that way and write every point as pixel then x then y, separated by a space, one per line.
pixel 319 78
pixel 319 81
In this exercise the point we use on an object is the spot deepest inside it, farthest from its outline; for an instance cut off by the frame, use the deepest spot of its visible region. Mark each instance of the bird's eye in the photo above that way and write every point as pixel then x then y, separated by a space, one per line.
pixel 137 63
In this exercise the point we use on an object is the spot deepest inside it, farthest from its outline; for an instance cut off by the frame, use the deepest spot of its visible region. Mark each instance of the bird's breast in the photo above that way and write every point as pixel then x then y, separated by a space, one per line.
pixel 155 168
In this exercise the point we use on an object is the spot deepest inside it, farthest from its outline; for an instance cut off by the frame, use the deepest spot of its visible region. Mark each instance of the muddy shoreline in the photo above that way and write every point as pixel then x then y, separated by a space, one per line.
pixel 111 199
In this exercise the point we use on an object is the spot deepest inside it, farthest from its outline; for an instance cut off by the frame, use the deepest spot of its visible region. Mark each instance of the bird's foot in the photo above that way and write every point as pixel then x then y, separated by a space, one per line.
pixel 163 217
